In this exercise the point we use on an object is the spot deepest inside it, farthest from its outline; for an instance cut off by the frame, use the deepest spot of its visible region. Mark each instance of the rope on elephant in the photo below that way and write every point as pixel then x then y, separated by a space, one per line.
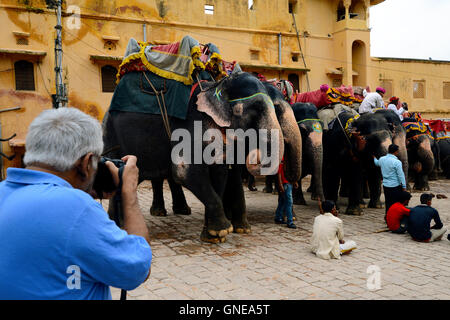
pixel 162 108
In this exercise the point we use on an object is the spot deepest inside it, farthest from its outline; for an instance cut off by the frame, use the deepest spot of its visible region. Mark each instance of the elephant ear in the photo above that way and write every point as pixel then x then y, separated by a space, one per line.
pixel 214 103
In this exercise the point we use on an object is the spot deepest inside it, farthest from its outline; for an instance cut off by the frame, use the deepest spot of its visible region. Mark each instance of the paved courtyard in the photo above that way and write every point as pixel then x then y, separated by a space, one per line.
pixel 274 262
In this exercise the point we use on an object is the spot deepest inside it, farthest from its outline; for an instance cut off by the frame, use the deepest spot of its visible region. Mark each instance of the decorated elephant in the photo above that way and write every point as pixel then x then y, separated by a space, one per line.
pixel 349 145
pixel 239 101
pixel 312 133
pixel 420 145
pixel 444 152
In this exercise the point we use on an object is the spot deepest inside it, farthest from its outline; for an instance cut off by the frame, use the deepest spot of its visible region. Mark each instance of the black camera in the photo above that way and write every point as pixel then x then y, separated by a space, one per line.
pixel 104 182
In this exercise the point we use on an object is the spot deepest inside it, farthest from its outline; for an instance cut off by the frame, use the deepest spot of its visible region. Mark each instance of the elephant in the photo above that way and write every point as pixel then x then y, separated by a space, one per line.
pixel 398 138
pixel 237 102
pixel 311 129
pixel 420 145
pixel 349 146
pixel 444 152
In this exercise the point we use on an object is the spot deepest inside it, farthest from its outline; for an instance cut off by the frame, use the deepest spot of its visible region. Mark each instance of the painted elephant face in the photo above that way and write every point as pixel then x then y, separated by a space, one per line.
pixel 240 102
pixel 375 134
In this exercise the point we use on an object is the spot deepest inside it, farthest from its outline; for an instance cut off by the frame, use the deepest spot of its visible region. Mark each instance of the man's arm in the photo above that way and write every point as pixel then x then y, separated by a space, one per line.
pixel 340 231
pixel 280 183
pixel 437 220
pixel 401 174
pixel 134 222
pixel 376 161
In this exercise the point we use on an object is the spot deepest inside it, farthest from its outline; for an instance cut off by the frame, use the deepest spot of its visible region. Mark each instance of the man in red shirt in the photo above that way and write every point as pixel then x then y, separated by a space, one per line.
pixel 398 214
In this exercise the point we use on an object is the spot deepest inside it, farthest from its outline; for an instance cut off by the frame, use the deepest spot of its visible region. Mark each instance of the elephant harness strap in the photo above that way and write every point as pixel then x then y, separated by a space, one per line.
pixel 162 107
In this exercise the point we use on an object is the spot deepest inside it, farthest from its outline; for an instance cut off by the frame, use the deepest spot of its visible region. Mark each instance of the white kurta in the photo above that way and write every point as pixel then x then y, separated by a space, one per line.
pixel 327 231
pixel 371 101
pixel 399 112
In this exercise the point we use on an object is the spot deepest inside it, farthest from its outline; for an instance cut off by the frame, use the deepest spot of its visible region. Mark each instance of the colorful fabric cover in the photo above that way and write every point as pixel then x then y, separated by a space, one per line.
pixel 134 94
pixel 174 61
pixel 325 96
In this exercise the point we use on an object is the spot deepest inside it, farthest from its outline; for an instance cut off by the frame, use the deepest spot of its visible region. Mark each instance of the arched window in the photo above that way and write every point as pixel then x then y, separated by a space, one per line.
pixel 108 78
pixel 24 75
pixel 357 10
pixel 293 78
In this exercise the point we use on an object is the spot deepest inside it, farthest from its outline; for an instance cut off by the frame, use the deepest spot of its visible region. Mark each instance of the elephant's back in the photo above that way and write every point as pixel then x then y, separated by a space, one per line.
pixel 142 135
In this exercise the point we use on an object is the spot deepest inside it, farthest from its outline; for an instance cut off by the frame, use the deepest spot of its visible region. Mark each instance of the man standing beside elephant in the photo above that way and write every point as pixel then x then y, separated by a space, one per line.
pixel 393 176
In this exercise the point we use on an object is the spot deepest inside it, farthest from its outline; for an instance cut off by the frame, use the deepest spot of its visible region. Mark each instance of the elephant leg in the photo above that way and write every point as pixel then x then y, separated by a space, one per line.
pixel 207 183
pixel 331 185
pixel 179 204
pixel 374 182
pixel 269 184
pixel 297 194
pixel 158 208
pixel 366 189
pixel 114 212
pixel 311 187
pixel 343 190
pixel 234 202
pixel 354 175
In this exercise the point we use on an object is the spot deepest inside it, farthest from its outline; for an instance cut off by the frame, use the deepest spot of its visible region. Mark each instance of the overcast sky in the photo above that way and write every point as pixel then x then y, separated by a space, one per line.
pixel 411 29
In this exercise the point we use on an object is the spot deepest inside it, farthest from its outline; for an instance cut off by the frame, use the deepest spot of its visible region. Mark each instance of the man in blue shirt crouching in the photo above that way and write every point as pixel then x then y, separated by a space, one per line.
pixel 57 241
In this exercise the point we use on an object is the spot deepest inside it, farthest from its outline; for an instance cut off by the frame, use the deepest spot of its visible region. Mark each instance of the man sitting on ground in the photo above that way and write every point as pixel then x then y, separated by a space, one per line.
pixel 398 214
pixel 327 241
pixel 420 218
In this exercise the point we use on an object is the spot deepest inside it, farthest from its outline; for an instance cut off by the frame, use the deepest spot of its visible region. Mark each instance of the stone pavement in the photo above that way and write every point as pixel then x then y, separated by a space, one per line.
pixel 274 262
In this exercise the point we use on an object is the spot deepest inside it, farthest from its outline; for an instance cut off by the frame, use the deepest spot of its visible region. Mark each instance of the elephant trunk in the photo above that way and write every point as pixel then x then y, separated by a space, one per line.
pixel 315 149
pixel 425 155
pixel 292 144
pixel 271 148
pixel 400 140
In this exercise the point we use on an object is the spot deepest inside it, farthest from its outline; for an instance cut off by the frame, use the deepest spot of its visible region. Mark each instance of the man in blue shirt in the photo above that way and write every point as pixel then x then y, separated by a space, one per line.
pixel 57 241
pixel 420 218
pixel 393 176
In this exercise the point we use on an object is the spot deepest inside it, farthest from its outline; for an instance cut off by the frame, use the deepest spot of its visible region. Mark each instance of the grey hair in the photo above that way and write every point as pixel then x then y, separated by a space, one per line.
pixel 59 137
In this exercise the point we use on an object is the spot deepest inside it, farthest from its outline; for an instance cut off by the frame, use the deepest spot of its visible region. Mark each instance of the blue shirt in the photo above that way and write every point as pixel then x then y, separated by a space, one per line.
pixel 419 222
pixel 392 171
pixel 57 242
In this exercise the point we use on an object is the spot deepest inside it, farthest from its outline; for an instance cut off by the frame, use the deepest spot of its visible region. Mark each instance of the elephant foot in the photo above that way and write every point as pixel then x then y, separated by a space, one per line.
pixel 267 190
pixel 185 211
pixel 300 201
pixel 422 188
pixel 242 227
pixel 206 237
pixel 252 188
pixel 158 212
pixel 316 197
pixel 219 227
pixel 362 204
pixel 375 204
pixel 354 210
